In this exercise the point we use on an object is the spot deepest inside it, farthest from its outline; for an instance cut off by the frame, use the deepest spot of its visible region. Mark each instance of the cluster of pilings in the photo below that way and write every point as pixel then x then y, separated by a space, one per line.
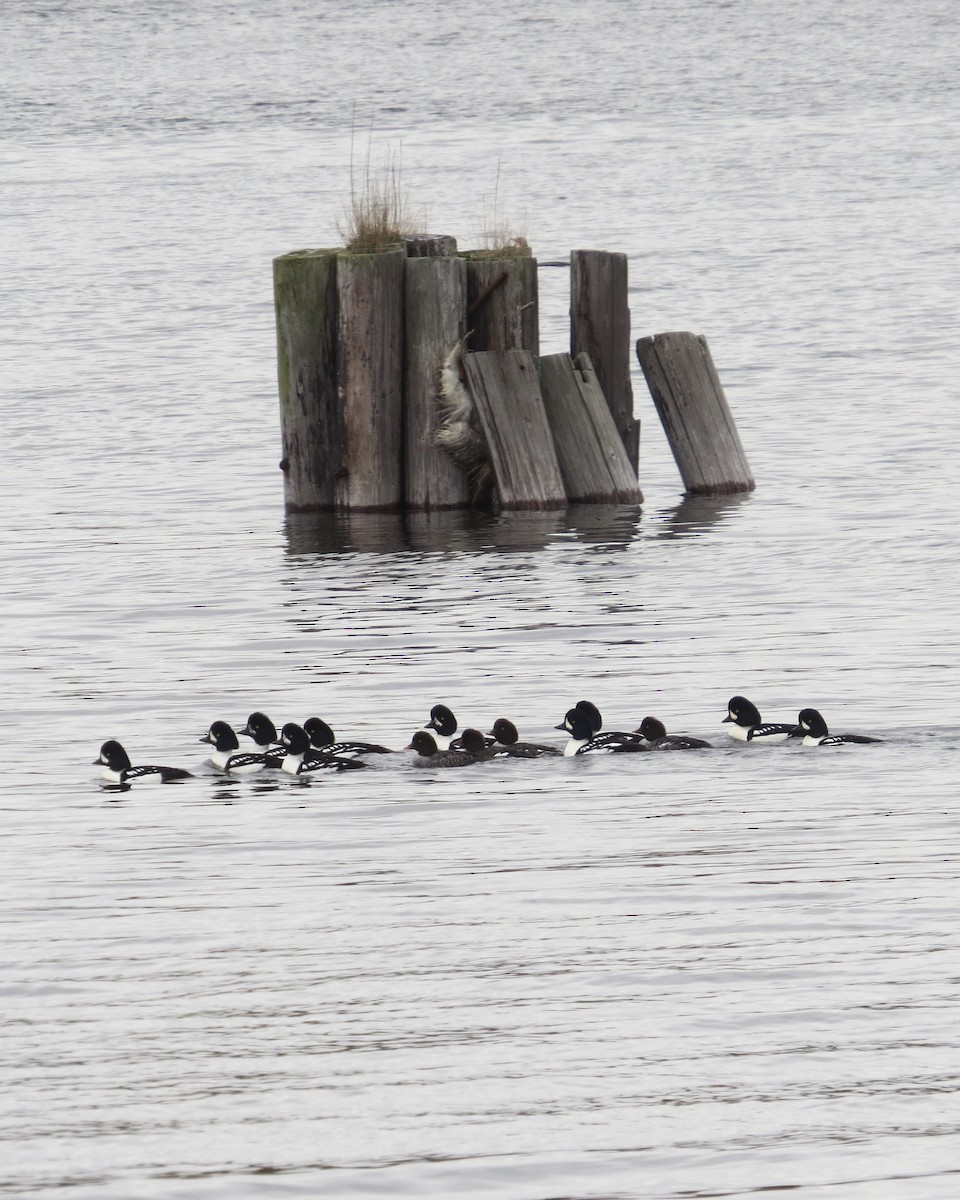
pixel 363 339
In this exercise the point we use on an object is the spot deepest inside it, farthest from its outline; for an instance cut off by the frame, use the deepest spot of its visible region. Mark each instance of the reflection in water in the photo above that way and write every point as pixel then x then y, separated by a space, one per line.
pixel 695 515
pixel 463 529
pixel 604 524
pixel 336 532
pixel 457 530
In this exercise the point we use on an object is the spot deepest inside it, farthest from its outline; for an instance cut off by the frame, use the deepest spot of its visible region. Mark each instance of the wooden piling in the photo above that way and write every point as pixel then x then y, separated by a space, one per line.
pixel 503 303
pixel 592 458
pixel 600 327
pixel 509 405
pixel 311 420
pixel 430 245
pixel 689 397
pixel 435 300
pixel 370 378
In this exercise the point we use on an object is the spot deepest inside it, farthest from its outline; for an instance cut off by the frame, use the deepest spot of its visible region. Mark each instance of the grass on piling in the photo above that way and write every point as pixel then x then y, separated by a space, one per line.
pixel 499 238
pixel 379 214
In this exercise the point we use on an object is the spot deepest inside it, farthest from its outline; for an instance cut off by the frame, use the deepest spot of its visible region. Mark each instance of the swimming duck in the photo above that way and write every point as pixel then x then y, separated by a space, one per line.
pixel 443 726
pixel 122 773
pixel 748 727
pixel 430 755
pixel 264 733
pixel 654 733
pixel 505 733
pixel 479 745
pixel 816 733
pixel 301 760
pixel 322 739
pixel 585 740
pixel 226 754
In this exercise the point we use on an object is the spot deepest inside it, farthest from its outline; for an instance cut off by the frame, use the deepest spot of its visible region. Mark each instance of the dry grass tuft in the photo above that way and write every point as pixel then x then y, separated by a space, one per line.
pixel 499 238
pixel 379 214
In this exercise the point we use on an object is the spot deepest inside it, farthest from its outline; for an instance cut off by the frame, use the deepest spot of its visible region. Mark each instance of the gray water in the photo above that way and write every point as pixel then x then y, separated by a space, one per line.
pixel 724 974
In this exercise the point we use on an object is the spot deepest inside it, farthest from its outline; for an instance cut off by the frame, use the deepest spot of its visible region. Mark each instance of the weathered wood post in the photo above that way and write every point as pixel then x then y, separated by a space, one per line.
pixel 697 420
pixel 593 460
pixel 600 327
pixel 503 304
pixel 435 302
pixel 509 404
pixel 370 378
pixel 430 245
pixel 340 360
pixel 311 420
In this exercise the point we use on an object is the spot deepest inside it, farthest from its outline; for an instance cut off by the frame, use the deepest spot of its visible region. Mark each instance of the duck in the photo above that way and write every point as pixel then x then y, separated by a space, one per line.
pixel 654 733
pixel 121 773
pixel 592 714
pixel 747 725
pixel 300 760
pixel 585 740
pixel 264 733
pixel 226 754
pixel 442 725
pixel 322 738
pixel 429 753
pixel 505 735
pixel 816 733
pixel 481 746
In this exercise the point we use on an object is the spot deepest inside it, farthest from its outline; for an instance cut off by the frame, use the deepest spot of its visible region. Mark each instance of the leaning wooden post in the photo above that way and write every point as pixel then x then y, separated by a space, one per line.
pixel 509 404
pixel 503 305
pixel 593 460
pixel 311 420
pixel 370 378
pixel 697 420
pixel 600 327
pixel 435 292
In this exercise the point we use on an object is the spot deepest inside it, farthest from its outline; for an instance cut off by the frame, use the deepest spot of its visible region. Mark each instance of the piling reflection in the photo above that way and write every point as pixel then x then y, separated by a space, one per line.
pixel 458 530
pixel 696 515
pixel 463 530
pixel 604 524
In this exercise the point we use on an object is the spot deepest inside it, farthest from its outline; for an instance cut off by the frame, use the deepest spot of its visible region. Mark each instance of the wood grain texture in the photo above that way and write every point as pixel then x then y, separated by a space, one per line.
pixel 593 461
pixel 311 421
pixel 508 316
pixel 370 378
pixel 600 327
pixel 430 245
pixel 506 392
pixel 689 398
pixel 435 292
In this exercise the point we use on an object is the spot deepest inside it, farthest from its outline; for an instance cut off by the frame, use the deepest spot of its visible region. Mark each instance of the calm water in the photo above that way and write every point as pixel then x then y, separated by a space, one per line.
pixel 725 974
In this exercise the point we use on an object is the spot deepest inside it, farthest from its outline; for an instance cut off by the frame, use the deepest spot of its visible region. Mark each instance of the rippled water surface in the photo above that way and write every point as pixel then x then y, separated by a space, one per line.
pixel 729 973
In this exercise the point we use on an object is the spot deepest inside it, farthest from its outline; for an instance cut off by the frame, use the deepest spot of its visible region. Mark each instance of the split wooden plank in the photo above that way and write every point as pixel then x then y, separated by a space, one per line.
pixel 593 461
pixel 689 398
pixel 506 393
pixel 435 292
pixel 600 327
